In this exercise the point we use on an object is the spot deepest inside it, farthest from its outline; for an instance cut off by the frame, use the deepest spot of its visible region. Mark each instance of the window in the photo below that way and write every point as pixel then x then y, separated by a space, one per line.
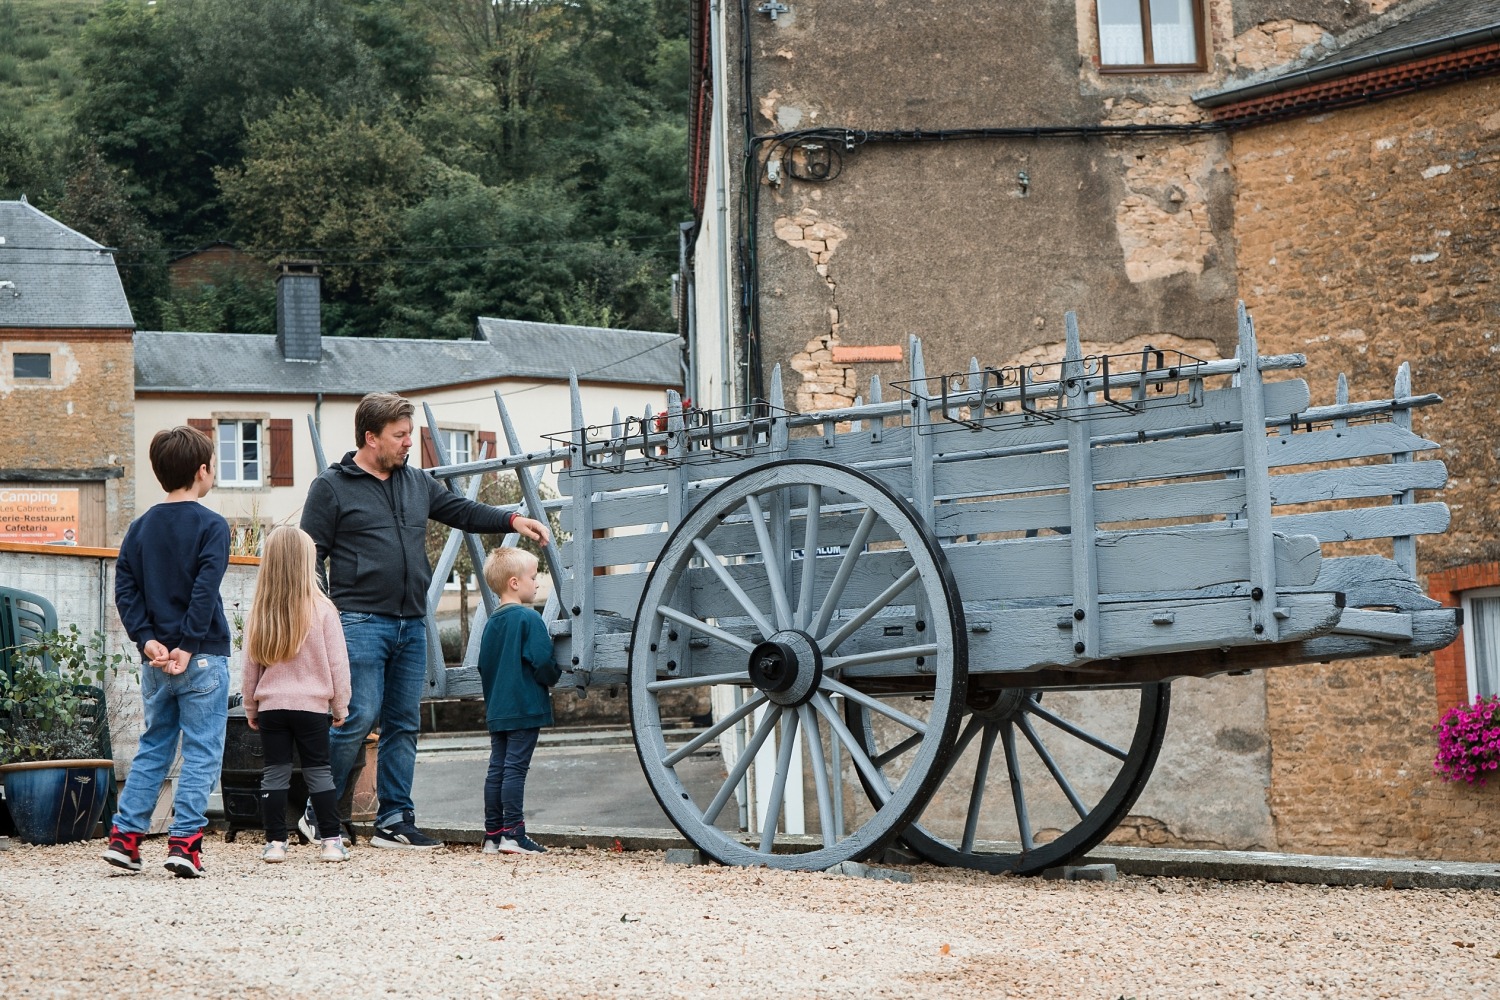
pixel 1150 34
pixel 32 366
pixel 239 453
pixel 1482 640
pixel 456 446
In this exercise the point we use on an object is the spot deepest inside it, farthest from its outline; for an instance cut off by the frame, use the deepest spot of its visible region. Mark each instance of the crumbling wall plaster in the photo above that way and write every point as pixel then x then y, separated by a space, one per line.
pixel 1163 221
pixel 1275 43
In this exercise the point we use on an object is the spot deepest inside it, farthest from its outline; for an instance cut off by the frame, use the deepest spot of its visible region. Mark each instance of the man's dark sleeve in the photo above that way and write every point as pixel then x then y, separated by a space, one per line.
pixel 320 518
pixel 462 513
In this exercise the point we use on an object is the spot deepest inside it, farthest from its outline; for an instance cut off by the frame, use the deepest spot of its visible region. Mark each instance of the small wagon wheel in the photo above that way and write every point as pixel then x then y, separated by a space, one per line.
pixel 1089 754
pixel 868 614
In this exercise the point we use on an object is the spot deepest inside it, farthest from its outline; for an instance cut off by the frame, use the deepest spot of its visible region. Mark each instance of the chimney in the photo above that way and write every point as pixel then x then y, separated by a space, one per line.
pixel 299 319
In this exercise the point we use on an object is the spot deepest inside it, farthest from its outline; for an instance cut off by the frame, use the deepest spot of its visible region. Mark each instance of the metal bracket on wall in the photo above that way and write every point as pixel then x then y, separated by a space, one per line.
pixel 773 8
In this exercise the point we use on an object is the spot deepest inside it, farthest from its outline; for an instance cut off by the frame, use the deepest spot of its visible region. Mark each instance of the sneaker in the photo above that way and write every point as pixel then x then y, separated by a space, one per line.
pixel 124 849
pixel 403 835
pixel 275 852
pixel 492 843
pixel 307 825
pixel 516 842
pixel 334 850
pixel 185 856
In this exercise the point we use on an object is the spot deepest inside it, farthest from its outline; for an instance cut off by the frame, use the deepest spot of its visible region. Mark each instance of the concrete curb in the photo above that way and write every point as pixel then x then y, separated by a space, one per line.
pixel 1225 866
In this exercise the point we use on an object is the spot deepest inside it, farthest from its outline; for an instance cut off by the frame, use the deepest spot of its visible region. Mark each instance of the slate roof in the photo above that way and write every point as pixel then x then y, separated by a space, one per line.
pixel 1404 33
pixel 239 363
pixel 51 276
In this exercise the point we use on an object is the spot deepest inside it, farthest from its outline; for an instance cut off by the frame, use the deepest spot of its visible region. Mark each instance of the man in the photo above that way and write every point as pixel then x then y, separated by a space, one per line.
pixel 368 516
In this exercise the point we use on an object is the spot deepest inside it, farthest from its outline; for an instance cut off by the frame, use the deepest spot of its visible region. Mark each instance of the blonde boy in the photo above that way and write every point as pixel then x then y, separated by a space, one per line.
pixel 516 668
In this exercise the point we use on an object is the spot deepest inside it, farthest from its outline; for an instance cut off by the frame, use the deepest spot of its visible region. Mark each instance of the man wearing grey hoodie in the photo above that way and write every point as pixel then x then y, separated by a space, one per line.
pixel 368 516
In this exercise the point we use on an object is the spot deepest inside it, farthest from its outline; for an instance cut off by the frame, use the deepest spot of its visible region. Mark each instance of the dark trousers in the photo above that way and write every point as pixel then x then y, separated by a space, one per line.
pixel 280 731
pixel 505 784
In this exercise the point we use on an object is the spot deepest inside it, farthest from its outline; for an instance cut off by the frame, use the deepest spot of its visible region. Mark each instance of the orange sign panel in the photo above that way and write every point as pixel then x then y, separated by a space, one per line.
pixel 43 515
pixel 877 352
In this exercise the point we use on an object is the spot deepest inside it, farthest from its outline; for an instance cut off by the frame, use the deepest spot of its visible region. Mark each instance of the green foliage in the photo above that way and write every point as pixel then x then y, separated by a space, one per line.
pixel 50 698
pixel 231 301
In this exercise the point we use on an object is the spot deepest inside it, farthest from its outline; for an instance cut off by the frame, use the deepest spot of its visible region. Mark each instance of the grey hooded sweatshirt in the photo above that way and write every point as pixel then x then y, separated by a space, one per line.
pixel 372 534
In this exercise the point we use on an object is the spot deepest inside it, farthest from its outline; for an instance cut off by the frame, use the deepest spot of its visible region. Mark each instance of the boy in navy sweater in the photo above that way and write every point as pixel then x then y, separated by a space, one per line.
pixel 167 581
pixel 516 668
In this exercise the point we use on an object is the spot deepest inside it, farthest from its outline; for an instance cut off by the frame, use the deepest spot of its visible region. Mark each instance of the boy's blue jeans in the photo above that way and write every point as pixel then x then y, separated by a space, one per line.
pixel 505 783
pixel 195 706
pixel 387 676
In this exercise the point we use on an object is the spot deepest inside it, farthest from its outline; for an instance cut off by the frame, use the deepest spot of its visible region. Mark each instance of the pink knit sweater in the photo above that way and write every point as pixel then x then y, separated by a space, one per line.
pixel 316 679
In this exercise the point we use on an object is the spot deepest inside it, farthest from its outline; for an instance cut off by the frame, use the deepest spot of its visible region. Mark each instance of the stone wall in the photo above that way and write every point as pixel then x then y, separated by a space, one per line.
pixel 1367 237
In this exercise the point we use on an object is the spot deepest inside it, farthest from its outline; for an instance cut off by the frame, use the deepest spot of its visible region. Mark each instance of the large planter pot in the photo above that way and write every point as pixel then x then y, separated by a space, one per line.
pixel 56 801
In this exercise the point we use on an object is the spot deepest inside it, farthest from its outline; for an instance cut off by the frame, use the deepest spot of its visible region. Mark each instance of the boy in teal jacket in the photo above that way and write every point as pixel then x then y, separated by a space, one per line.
pixel 516 668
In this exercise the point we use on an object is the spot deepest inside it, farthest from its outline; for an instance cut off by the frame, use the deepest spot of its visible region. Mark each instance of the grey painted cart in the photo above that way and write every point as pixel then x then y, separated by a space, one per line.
pixel 952 617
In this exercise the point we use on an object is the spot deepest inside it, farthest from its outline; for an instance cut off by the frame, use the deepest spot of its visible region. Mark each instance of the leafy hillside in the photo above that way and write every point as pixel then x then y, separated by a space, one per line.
pixel 442 158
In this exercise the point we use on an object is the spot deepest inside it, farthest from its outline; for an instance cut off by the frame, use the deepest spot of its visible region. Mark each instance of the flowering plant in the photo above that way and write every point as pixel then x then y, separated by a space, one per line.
pixel 1469 741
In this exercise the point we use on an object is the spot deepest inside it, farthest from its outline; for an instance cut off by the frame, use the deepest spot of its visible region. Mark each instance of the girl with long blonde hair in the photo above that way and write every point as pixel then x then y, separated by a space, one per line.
pixel 296 676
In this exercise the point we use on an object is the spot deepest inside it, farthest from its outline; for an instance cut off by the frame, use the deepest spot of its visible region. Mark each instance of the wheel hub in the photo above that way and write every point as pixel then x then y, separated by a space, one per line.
pixel 787 667
pixel 998 705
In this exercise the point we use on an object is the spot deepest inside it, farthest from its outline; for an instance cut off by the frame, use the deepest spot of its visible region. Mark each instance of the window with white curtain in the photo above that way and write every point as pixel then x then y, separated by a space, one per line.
pixel 239 453
pixel 1482 640
pixel 1139 34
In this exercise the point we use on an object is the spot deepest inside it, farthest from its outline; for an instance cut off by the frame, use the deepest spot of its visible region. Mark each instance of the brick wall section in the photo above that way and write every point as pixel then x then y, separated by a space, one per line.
pixel 1367 237
pixel 1450 666
pixel 83 417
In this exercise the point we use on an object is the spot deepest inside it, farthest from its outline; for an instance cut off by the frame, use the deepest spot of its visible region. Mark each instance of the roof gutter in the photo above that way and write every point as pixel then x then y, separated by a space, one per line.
pixel 1317 74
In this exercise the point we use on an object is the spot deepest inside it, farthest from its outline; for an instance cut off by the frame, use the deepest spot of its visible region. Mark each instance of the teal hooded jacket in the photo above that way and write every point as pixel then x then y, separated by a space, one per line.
pixel 516 668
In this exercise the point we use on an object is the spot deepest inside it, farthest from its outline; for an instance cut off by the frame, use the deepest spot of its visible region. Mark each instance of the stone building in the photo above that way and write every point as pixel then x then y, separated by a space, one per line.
pixel 968 172
pixel 67 465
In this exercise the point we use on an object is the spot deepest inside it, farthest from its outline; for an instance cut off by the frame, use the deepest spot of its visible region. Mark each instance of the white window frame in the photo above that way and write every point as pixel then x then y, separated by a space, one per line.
pixel 451 438
pixel 1471 645
pixel 238 480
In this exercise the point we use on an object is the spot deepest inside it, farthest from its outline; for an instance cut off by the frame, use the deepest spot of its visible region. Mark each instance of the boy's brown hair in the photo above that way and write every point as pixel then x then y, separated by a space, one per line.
pixel 377 410
pixel 178 454
pixel 503 563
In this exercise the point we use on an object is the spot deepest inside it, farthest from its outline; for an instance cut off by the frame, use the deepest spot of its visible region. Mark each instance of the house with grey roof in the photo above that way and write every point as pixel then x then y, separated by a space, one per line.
pixel 67 475
pixel 261 396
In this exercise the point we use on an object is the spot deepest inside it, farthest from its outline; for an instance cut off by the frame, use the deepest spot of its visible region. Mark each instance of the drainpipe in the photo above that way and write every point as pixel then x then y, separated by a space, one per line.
pixel 721 207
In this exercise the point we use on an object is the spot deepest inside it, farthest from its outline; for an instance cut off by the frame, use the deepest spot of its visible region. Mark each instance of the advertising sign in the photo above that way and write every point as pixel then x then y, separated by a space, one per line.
pixel 44 515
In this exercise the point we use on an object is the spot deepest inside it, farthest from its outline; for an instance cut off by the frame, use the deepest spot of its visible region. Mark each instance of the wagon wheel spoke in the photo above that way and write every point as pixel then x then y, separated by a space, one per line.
pixel 1077 732
pixel 1052 766
pixel 976 790
pixel 771 560
pixel 732 586
pixel 725 573
pixel 698 625
pixel 1017 789
pixel 778 784
pixel 736 773
pixel 812 518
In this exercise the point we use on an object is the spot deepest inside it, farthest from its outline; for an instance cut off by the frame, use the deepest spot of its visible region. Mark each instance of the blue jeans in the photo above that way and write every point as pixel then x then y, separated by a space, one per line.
pixel 505 783
pixel 387 677
pixel 195 706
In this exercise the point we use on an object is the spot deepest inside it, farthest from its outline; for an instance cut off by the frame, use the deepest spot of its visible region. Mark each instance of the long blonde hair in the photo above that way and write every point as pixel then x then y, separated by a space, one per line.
pixel 286 595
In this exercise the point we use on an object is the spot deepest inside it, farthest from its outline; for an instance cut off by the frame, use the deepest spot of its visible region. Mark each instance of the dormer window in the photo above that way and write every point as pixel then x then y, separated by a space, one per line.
pixel 1150 35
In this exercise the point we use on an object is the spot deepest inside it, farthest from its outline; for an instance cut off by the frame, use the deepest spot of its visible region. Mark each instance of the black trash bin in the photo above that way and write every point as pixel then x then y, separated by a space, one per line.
pixel 239 782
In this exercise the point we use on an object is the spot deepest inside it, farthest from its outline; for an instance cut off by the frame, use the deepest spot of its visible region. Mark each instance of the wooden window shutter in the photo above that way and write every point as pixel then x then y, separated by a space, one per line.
pixel 429 450
pixel 487 442
pixel 206 426
pixel 281 451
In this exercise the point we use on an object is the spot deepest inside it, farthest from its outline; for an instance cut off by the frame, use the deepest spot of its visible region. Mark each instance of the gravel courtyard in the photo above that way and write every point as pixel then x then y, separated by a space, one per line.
pixel 588 923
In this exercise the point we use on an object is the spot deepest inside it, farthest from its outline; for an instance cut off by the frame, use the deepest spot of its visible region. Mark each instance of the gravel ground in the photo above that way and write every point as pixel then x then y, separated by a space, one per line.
pixel 579 924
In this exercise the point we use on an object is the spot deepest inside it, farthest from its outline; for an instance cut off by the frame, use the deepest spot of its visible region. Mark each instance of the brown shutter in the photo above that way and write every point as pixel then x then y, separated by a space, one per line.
pixel 206 426
pixel 281 452
pixel 429 450
pixel 487 442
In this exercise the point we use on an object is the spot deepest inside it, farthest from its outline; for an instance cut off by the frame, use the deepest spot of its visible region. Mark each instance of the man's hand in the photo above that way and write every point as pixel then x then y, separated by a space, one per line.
pixel 156 653
pixel 177 661
pixel 531 528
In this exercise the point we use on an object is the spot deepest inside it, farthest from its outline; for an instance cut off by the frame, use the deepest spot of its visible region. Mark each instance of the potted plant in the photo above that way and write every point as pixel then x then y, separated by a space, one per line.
pixel 1469 741
pixel 54 735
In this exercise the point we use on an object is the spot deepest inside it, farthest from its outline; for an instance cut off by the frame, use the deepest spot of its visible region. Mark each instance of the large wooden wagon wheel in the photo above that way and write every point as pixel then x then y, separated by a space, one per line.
pixel 1075 760
pixel 876 617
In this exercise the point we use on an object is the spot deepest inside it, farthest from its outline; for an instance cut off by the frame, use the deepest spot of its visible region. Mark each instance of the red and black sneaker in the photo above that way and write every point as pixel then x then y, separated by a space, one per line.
pixel 124 849
pixel 185 855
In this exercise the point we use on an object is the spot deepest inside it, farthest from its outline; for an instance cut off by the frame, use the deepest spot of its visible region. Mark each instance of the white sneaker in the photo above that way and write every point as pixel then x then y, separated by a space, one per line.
pixel 275 852
pixel 334 850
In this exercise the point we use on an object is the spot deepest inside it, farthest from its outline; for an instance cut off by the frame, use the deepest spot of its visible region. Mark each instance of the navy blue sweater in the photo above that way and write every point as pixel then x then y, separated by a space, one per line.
pixel 167 578
pixel 516 669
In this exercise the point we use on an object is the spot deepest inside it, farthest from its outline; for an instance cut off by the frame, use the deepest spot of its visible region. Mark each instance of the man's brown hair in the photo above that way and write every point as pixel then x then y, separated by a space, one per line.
pixel 178 454
pixel 377 410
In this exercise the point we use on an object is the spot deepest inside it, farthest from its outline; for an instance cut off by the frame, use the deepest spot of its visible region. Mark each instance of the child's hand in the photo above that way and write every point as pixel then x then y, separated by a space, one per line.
pixel 339 722
pixel 155 652
pixel 177 661
pixel 251 723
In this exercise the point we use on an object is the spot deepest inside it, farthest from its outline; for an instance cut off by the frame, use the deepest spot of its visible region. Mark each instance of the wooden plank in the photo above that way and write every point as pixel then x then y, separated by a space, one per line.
pixel 1376 624
pixel 1340 444
pixel 1367 522
pixel 1372 582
